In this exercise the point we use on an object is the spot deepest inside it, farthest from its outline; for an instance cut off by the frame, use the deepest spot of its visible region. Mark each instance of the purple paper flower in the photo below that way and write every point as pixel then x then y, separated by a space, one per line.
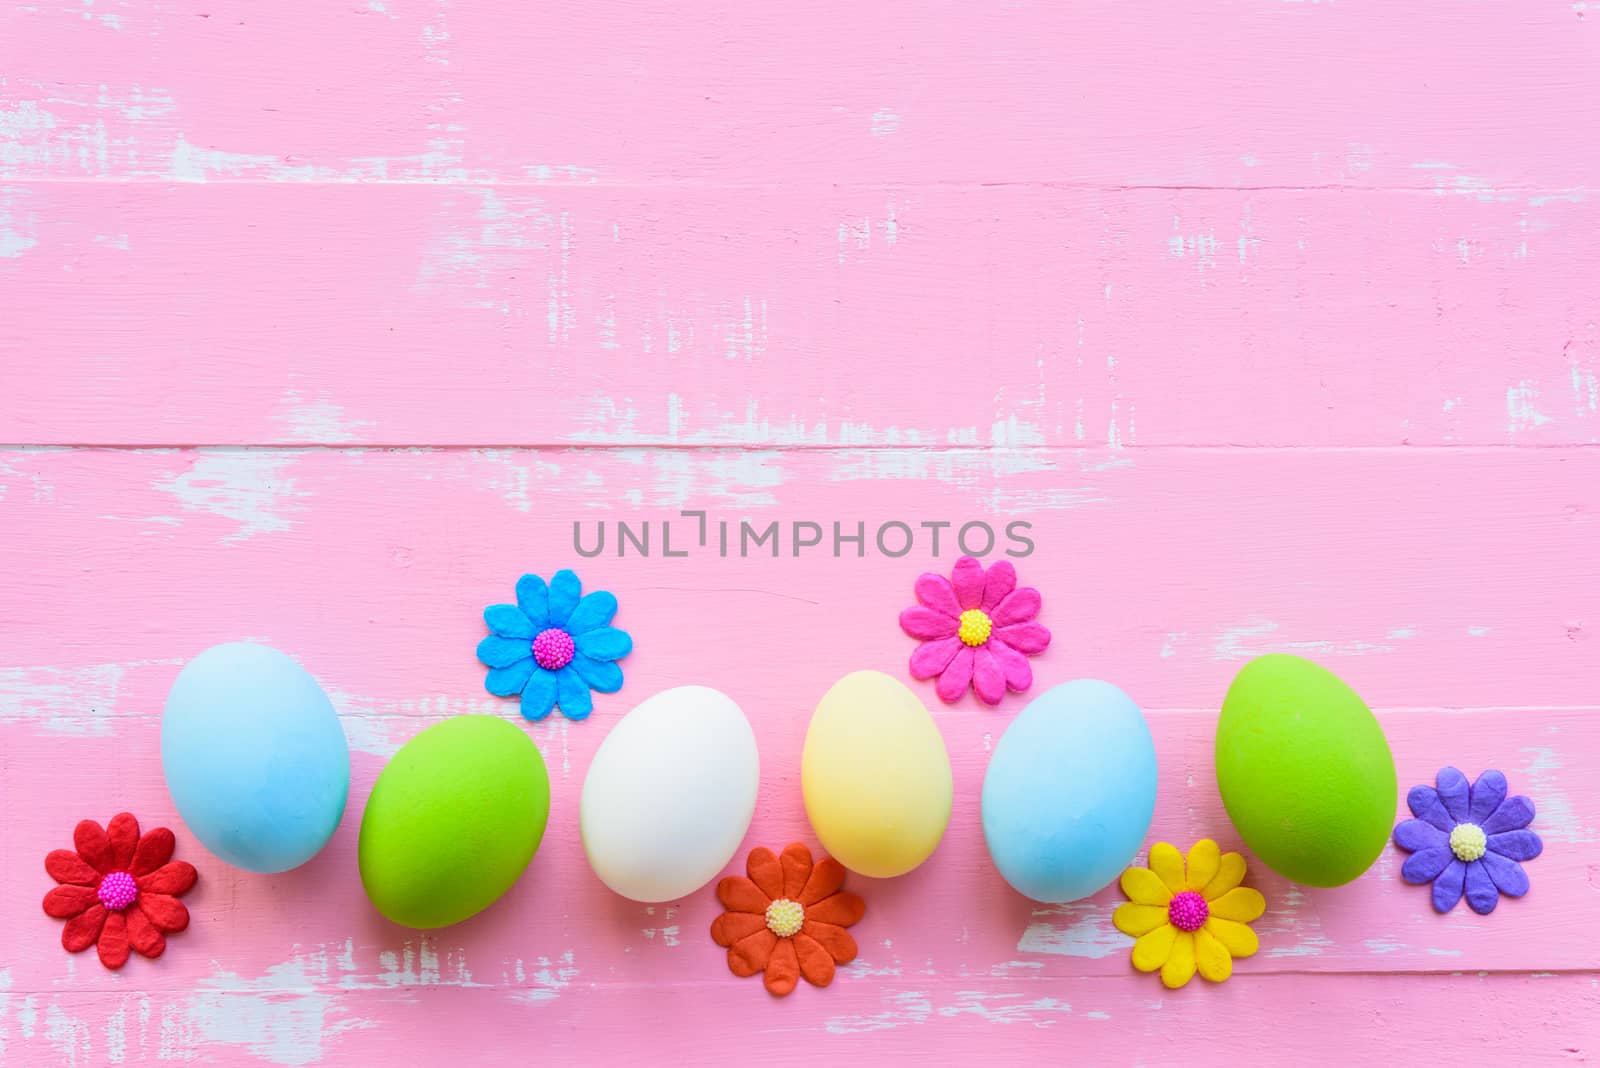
pixel 1468 839
pixel 976 629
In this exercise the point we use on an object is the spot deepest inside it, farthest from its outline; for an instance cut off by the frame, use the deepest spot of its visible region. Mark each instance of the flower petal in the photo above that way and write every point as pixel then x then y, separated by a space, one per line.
pixel 751 953
pixel 1447 887
pixel 840 944
pixel 1201 865
pixel 1211 957
pixel 572 694
pixel 1513 814
pixel 954 680
pixel 511 680
pixel 826 879
pixel 927 624
pixel 1425 805
pixel 1509 876
pixel 795 860
pixel 174 878
pixel 1424 865
pixel 1237 938
pixel 165 912
pixel 1180 965
pixel 935 592
pixel 65 866
pixel 565 591
pixel 593 612
pixel 1029 638
pixel 113 941
pixel 155 849
pixel 601 676
pixel 1000 580
pixel 1021 606
pixel 83 929
pixel 739 894
pixel 533 597
pixel 1487 793
pixel 730 927
pixel 538 694
pixel 816 963
pixel 1151 951
pixel 765 870
pixel 1144 887
pixel 93 846
pixel 1167 862
pixel 143 935
pixel 933 657
pixel 967 578
pixel 123 834
pixel 1518 845
pixel 1453 791
pixel 1417 835
pixel 1015 666
pixel 509 621
pixel 1138 920
pixel 1482 895
pixel 604 643
pixel 783 970
pixel 65 902
pixel 988 681
pixel 497 652
pixel 1230 873
pixel 842 909
pixel 1242 904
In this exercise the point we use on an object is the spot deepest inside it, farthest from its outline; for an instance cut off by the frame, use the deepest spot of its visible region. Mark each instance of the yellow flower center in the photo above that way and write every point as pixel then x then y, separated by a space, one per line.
pixel 785 917
pixel 1468 842
pixel 975 627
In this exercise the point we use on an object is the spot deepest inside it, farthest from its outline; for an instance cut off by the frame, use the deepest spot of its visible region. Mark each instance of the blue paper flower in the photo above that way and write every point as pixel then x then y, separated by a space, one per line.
pixel 1468 839
pixel 553 646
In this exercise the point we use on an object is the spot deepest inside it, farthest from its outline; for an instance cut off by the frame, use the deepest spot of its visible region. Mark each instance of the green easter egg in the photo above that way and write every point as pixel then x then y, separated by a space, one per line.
pixel 1305 771
pixel 452 821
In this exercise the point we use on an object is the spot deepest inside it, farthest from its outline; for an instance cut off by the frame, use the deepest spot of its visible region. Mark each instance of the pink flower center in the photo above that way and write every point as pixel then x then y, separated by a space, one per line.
pixel 1188 911
pixel 553 649
pixel 118 891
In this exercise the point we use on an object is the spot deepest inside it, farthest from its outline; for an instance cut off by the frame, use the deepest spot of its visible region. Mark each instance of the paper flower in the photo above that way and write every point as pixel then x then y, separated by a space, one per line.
pixel 976 628
pixel 1468 839
pixel 553 646
pixel 118 890
pixel 1189 917
pixel 787 919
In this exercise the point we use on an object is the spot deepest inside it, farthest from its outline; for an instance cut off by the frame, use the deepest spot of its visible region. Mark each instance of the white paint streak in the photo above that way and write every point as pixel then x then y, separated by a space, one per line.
pixel 1250 640
pixel 1079 929
pixel 317 420
pixel 248 487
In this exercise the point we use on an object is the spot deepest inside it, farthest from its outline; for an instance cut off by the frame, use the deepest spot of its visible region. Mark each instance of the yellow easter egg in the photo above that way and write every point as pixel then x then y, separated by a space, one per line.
pixel 875 775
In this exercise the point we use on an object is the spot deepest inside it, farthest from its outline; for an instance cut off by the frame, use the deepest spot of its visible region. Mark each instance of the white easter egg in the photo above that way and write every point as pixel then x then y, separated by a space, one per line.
pixel 669 794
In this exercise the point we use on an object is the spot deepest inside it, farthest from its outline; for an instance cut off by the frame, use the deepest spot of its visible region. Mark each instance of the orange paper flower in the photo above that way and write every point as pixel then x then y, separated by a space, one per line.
pixel 787 919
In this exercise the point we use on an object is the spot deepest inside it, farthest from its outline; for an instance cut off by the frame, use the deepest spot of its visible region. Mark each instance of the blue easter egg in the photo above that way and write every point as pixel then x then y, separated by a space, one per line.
pixel 1070 791
pixel 254 757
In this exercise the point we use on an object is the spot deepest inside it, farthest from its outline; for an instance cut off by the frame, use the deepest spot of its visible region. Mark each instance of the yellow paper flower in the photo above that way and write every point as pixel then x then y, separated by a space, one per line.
pixel 1189 917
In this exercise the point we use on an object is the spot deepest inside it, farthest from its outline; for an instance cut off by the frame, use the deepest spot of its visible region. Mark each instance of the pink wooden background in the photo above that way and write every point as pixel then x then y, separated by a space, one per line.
pixel 321 322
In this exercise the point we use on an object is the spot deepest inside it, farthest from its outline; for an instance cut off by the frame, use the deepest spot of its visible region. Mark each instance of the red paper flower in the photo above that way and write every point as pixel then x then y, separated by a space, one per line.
pixel 119 890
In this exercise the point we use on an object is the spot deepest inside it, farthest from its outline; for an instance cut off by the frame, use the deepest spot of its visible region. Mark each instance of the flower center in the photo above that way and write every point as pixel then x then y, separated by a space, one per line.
pixel 118 891
pixel 975 626
pixel 785 917
pixel 1468 841
pixel 553 649
pixel 1188 911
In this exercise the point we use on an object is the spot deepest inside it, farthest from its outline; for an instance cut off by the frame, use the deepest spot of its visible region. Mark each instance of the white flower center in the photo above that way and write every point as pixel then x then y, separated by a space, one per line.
pixel 1468 841
pixel 785 917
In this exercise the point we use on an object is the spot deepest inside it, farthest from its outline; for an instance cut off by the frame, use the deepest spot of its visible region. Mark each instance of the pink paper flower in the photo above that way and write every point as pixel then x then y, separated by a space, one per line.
pixel 976 628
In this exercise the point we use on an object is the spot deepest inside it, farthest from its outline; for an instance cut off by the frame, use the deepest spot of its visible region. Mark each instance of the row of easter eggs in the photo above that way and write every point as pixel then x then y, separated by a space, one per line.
pixel 259 769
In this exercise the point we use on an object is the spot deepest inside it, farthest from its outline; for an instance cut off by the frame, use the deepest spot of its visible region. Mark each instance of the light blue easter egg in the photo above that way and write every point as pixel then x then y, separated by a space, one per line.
pixel 254 757
pixel 1070 791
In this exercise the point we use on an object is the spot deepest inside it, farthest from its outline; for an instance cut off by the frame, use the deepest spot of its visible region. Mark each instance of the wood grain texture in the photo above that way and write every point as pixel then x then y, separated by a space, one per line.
pixel 1275 320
